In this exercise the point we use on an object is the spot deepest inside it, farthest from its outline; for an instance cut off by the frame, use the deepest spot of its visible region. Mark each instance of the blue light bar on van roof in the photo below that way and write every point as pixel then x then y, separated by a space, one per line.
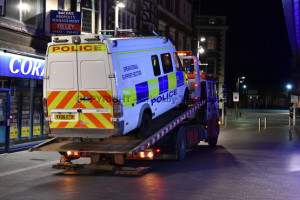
pixel 164 40
pixel 114 43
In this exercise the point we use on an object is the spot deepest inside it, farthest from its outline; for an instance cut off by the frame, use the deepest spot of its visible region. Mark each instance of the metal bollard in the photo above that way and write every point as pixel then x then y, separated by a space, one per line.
pixel 265 123
pixel 259 124
pixel 289 124
pixel 225 121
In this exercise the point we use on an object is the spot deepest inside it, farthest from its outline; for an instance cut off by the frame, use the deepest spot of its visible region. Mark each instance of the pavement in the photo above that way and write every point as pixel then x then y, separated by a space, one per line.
pixel 246 164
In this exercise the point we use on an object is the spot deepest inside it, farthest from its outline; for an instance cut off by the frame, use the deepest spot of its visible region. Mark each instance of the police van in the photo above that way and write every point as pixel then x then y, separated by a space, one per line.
pixel 99 88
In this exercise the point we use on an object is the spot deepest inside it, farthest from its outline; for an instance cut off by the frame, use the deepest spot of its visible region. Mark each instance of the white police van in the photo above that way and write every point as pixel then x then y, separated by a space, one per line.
pixel 99 88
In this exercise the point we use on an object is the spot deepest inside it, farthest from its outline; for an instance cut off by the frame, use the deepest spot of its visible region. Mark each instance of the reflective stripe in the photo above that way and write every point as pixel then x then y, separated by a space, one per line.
pixel 152 88
pixel 129 96
pixel 96 112
pixel 172 81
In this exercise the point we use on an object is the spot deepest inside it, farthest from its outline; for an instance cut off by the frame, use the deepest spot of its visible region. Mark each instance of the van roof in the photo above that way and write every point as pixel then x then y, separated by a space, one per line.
pixel 116 45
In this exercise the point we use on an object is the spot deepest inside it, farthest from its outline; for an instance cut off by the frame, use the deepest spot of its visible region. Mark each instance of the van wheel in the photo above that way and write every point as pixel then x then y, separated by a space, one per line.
pixel 212 141
pixel 144 131
pixel 181 144
pixel 185 101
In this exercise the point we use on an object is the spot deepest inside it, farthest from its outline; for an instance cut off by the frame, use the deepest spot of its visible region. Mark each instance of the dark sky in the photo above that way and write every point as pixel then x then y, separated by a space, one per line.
pixel 257 43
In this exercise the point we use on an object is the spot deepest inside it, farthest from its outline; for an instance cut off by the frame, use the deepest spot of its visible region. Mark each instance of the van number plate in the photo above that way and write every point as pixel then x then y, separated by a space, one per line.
pixel 64 117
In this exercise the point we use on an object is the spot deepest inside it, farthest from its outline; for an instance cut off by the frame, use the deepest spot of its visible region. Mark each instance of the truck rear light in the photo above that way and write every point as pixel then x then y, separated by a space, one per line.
pixel 142 154
pixel 150 155
pixel 117 108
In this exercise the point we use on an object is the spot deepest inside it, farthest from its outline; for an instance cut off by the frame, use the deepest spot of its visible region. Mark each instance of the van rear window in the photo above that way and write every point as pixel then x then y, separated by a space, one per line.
pixel 92 75
pixel 166 62
pixel 61 75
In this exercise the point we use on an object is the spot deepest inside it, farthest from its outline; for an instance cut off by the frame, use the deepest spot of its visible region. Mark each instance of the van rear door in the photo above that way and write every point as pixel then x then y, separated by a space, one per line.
pixel 95 87
pixel 78 88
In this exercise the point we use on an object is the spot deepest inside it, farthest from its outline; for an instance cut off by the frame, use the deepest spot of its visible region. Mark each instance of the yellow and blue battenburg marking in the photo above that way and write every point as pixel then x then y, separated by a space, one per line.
pixel 158 89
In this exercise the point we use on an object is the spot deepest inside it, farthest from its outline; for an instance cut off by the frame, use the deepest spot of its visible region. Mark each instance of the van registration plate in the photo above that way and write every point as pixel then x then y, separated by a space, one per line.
pixel 64 117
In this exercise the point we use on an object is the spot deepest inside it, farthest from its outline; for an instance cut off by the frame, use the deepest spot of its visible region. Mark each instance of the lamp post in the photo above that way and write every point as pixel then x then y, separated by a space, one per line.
pixel 118 5
pixel 289 88
pixel 238 90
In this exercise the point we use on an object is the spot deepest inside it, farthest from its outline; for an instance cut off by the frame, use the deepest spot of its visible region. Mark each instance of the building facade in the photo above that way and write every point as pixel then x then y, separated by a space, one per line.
pixel 211 38
pixel 175 21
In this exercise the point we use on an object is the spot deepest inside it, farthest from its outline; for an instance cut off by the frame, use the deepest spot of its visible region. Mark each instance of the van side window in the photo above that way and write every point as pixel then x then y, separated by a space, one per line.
pixel 177 62
pixel 166 62
pixel 155 64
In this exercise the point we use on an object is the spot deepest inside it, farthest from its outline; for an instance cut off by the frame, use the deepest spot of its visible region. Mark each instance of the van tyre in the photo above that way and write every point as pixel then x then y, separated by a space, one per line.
pixel 212 141
pixel 144 131
pixel 180 144
pixel 185 101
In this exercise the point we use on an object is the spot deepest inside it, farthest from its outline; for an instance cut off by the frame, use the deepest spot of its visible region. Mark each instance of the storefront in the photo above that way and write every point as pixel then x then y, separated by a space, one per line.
pixel 21 93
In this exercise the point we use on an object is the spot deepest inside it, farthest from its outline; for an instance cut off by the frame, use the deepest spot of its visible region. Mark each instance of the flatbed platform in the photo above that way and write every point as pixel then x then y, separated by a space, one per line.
pixel 114 145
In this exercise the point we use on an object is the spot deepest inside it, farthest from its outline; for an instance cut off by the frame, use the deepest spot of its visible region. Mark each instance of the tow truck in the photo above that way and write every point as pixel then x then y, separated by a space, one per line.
pixel 172 134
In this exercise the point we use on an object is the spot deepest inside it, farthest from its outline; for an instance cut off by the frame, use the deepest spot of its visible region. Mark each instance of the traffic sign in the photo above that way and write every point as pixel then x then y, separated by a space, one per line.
pixel 236 97
pixel 294 99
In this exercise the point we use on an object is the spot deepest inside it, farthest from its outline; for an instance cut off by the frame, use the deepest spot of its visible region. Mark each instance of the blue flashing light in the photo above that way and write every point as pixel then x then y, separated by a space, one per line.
pixel 114 43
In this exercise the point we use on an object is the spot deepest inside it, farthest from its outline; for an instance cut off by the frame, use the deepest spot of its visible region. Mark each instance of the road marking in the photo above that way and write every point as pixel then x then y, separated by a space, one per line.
pixel 26 168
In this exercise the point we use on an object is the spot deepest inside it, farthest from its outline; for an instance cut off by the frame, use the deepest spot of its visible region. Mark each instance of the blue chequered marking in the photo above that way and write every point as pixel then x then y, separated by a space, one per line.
pixel 142 92
pixel 163 84
pixel 180 79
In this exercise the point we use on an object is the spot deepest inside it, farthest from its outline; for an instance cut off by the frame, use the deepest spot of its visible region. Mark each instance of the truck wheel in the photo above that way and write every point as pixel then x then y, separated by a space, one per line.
pixel 185 101
pixel 144 131
pixel 181 144
pixel 212 141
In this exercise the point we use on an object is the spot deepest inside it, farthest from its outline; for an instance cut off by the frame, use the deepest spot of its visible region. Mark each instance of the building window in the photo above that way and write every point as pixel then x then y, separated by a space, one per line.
pixel 166 62
pixel 155 64
pixel 211 43
pixel 210 69
pixel 90 16
pixel 212 21
pixel 28 12
pixel 61 4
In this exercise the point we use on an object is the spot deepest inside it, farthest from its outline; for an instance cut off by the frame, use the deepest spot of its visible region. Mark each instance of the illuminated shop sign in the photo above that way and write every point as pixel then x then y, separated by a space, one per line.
pixel 21 66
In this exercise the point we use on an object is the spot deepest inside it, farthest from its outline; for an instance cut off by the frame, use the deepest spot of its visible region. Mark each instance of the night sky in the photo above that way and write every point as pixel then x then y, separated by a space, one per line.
pixel 257 43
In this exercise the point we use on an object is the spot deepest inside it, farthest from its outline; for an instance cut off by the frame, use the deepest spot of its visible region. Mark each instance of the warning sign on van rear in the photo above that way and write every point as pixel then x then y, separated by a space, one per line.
pixel 77 48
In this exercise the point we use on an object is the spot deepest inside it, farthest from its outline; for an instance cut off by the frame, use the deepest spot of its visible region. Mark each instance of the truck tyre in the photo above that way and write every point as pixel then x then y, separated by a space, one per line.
pixel 144 131
pixel 185 101
pixel 180 145
pixel 212 141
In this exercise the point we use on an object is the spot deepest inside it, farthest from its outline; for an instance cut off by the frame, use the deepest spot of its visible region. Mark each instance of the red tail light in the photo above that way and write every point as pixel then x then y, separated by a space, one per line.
pixel 117 108
pixel 45 107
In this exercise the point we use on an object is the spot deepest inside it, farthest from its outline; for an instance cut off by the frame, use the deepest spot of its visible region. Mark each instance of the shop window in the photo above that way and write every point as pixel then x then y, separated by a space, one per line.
pixel 166 62
pixel 26 119
pixel 28 12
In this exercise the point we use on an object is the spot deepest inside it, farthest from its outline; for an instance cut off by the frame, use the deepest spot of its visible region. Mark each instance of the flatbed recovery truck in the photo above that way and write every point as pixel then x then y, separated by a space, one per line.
pixel 172 133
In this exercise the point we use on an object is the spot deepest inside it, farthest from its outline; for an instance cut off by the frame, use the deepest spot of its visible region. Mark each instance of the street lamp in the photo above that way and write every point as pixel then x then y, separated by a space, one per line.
pixel 289 86
pixel 238 90
pixel 118 5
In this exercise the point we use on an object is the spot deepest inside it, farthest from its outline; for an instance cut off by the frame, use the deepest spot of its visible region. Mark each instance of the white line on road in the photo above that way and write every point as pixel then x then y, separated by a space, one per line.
pixel 26 168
